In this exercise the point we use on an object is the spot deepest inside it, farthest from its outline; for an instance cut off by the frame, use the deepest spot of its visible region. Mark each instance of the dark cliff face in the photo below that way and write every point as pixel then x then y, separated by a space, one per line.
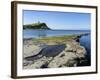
pixel 36 26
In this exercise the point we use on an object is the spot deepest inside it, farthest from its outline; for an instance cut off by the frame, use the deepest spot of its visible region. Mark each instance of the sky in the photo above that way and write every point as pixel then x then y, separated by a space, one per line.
pixel 59 20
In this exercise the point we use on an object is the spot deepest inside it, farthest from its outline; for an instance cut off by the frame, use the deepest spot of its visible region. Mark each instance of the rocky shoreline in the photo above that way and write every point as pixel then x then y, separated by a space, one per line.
pixel 52 53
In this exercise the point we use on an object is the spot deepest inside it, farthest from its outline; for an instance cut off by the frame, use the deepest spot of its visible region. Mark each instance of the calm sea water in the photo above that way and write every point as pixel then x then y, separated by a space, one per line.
pixel 84 40
pixel 28 33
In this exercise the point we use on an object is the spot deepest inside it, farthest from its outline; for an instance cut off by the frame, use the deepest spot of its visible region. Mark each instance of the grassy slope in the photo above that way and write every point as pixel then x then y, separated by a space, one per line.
pixel 36 26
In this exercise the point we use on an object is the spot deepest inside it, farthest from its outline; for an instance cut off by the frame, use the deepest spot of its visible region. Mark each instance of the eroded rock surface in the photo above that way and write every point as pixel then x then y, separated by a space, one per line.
pixel 42 57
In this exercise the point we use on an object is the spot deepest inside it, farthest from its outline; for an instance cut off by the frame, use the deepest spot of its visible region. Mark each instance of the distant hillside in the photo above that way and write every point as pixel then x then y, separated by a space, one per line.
pixel 36 26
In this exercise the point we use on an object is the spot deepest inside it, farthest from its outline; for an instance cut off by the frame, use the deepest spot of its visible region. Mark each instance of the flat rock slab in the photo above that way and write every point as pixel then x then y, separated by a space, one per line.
pixel 53 56
pixel 31 50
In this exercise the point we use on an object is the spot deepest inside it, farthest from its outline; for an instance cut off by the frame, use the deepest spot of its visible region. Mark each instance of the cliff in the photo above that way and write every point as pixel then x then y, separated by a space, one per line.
pixel 36 26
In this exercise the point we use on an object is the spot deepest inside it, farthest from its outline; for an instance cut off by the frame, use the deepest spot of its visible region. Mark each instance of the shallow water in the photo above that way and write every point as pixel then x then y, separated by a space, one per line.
pixel 86 42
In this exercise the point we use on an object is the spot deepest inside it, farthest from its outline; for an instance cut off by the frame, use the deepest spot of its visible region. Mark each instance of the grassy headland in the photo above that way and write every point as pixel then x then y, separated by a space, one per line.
pixel 36 26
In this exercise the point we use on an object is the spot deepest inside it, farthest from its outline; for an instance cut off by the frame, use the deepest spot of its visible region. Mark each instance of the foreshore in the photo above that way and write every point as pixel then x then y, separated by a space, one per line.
pixel 53 52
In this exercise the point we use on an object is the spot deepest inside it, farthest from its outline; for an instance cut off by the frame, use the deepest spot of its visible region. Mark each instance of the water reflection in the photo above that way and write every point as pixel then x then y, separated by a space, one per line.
pixel 41 33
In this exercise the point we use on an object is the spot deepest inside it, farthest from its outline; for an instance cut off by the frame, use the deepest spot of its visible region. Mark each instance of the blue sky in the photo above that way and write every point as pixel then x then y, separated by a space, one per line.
pixel 59 20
